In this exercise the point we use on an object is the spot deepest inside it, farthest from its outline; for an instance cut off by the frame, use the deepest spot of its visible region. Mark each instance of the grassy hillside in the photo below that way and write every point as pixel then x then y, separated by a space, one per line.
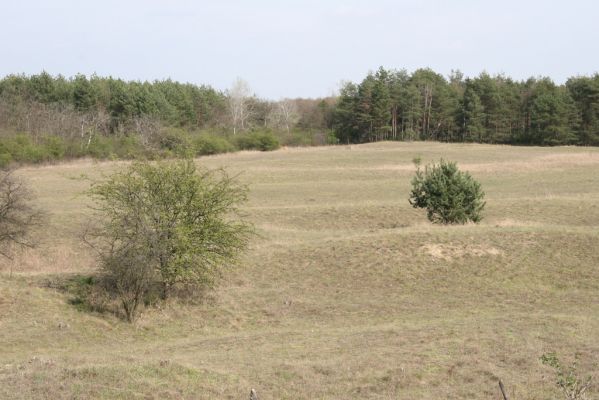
pixel 348 292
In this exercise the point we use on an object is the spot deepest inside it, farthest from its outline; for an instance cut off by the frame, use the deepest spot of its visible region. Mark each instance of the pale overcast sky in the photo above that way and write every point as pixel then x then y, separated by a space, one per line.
pixel 297 48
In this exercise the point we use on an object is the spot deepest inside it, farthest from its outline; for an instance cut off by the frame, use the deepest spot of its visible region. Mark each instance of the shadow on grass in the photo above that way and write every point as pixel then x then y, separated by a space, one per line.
pixel 92 294
pixel 87 293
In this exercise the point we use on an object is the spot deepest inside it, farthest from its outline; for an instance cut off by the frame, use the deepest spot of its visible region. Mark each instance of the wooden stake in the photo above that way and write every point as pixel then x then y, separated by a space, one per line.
pixel 502 388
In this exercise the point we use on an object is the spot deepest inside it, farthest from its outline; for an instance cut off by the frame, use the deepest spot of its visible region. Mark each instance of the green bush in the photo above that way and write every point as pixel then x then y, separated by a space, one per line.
pixel 206 144
pixel 115 147
pixel 166 223
pixel 22 148
pixel 5 159
pixel 129 147
pixel 296 139
pixel 175 141
pixel 332 139
pixel 55 147
pixel 101 147
pixel 170 143
pixel 263 141
pixel 449 195
pixel 74 148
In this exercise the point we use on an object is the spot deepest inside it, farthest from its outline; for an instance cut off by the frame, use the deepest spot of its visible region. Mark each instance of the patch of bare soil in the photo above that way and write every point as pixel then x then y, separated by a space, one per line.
pixel 450 252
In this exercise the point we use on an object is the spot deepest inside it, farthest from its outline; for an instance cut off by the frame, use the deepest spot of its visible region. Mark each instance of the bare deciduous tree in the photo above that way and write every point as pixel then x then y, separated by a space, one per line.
pixel 17 216
pixel 284 114
pixel 239 104
pixel 92 123
pixel 147 127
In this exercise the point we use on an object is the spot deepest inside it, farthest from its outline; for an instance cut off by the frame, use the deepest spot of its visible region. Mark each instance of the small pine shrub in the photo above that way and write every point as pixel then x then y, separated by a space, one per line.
pixel 449 195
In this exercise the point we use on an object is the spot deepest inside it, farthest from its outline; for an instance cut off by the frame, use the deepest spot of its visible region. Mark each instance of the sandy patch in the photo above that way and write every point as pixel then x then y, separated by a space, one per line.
pixel 509 222
pixel 449 252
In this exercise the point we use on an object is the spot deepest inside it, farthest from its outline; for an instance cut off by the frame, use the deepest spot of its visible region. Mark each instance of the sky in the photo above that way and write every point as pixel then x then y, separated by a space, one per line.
pixel 297 48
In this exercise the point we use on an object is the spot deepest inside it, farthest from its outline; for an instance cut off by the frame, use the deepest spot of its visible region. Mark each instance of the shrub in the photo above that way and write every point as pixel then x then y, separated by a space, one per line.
pixel 55 147
pixel 22 149
pixel 263 141
pixel 100 147
pixel 87 293
pixel 207 144
pixel 129 275
pixel 18 218
pixel 115 147
pixel 128 147
pixel 331 138
pixel 5 159
pixel 572 385
pixel 175 141
pixel 296 138
pixel 449 195
pixel 165 223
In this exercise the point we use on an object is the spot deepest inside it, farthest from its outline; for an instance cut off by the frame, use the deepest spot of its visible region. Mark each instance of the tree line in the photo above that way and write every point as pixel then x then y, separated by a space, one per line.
pixel 424 105
pixel 45 117
pixel 116 106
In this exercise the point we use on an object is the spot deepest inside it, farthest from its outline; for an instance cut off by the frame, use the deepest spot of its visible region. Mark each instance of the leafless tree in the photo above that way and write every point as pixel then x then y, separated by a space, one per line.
pixel 92 123
pixel 239 104
pixel 147 128
pixel 284 114
pixel 42 119
pixel 18 217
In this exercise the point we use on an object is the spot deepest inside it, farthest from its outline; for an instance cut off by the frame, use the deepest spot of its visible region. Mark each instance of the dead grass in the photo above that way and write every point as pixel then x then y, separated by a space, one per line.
pixel 348 292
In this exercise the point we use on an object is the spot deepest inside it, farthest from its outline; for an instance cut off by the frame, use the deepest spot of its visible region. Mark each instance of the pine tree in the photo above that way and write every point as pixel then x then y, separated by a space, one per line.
pixel 472 115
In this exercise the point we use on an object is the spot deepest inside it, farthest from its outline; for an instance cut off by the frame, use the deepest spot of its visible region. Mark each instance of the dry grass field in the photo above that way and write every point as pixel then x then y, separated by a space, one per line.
pixel 346 293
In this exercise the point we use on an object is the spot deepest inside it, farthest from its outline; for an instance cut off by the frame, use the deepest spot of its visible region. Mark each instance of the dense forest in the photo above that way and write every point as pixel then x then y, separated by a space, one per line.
pixel 394 105
pixel 45 117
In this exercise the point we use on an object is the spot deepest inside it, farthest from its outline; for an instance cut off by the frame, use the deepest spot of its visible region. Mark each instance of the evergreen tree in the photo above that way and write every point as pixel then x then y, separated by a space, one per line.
pixel 472 115
pixel 585 93
pixel 552 115
pixel 364 111
pixel 449 195
pixel 381 105
pixel 345 117
pixel 84 98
